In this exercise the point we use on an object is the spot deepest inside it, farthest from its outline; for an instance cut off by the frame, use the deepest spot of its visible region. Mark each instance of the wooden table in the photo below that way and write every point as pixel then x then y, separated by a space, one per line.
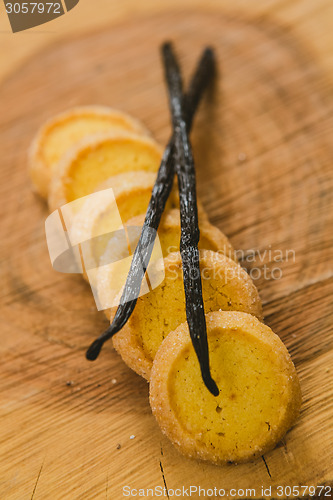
pixel 263 148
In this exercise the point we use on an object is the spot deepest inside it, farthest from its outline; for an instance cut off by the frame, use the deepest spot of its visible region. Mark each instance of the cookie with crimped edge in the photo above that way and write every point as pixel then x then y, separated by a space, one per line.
pixel 211 238
pixel 259 397
pixel 225 285
pixel 173 200
pixel 95 222
pixel 60 133
pixel 96 158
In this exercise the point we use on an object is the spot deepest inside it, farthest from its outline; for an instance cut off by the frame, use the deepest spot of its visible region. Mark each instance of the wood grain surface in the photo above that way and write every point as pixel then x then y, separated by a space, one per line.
pixel 263 148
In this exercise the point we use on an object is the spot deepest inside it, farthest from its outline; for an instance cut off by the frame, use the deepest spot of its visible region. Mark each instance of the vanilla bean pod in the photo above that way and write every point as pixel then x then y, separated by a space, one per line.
pixel 160 193
pixel 185 170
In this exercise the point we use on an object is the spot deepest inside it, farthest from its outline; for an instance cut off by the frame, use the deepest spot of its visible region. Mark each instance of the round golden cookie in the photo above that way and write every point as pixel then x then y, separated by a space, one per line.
pixel 83 169
pixel 109 285
pixel 211 238
pixel 225 285
pixel 98 224
pixel 61 132
pixel 173 200
pixel 259 397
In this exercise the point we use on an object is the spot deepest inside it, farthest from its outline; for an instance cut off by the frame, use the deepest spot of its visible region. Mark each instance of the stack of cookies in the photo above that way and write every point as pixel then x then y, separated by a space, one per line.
pixel 90 149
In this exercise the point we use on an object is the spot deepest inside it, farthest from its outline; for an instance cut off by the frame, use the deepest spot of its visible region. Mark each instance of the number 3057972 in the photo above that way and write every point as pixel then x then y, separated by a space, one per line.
pixel 31 7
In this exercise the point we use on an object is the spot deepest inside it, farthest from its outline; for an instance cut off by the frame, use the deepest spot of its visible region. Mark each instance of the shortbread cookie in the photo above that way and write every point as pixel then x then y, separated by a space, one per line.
pixel 97 223
pixel 98 218
pixel 259 397
pixel 63 131
pixel 173 200
pixel 225 286
pixel 97 158
pixel 211 238
pixel 109 285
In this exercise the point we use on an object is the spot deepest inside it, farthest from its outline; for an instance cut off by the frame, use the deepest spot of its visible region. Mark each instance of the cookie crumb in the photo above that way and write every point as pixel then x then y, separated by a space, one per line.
pixel 118 446
pixel 69 383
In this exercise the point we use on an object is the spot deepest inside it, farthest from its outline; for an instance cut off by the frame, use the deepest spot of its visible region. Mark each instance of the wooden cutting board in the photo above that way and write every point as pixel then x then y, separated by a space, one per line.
pixel 263 149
